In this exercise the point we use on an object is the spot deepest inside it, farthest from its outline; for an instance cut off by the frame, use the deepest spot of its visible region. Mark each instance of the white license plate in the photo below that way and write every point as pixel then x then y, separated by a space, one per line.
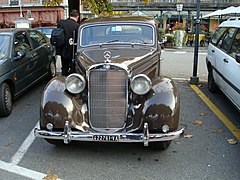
pixel 107 138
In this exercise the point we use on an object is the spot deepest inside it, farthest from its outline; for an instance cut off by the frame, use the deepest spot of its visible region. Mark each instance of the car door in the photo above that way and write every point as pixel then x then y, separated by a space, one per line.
pixel 43 50
pixel 23 62
pixel 222 57
pixel 231 70
pixel 214 53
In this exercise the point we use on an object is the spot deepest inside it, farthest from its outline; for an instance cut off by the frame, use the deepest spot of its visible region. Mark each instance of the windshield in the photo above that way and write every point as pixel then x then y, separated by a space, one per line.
pixel 117 33
pixel 4 46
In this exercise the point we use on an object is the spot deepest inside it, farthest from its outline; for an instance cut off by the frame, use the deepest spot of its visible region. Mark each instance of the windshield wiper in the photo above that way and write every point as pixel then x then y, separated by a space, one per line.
pixel 139 44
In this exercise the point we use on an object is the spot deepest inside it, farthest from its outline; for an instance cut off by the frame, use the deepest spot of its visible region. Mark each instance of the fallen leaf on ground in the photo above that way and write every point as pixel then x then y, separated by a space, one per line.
pixel 232 141
pixel 198 122
pixel 200 85
pixel 8 144
pixel 216 130
pixel 178 142
pixel 237 130
pixel 130 166
pixel 187 135
pixel 50 177
pixel 202 114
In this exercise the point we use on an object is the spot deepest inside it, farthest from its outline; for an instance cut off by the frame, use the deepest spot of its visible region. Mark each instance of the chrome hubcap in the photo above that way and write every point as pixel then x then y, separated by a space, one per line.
pixel 8 98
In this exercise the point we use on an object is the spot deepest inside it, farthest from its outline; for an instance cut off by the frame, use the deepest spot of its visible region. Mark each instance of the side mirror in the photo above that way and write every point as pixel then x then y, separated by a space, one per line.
pixel 238 57
pixel 163 40
pixel 19 55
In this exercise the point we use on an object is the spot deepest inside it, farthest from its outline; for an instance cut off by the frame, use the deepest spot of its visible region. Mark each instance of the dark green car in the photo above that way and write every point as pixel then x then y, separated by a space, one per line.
pixel 26 57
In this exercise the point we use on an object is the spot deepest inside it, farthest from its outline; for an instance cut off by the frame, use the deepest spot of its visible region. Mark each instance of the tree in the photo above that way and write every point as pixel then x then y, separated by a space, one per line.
pixel 53 2
pixel 99 7
pixel 146 1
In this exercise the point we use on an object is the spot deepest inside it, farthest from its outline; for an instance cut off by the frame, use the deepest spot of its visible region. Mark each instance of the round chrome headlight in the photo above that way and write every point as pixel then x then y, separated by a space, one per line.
pixel 75 83
pixel 141 84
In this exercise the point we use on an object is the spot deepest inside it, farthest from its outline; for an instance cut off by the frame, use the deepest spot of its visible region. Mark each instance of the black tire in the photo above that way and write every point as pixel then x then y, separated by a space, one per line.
pixel 5 100
pixel 212 87
pixel 163 145
pixel 52 69
pixel 55 142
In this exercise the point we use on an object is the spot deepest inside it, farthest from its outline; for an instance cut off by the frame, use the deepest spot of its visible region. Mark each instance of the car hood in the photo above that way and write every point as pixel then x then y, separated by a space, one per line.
pixel 124 55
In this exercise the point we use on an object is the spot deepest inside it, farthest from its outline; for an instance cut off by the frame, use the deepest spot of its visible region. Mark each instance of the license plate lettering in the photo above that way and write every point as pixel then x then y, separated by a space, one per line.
pixel 105 138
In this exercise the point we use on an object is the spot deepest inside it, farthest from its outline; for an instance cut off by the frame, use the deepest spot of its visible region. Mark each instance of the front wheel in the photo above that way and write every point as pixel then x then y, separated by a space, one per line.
pixel 5 100
pixel 55 142
pixel 162 145
pixel 52 69
pixel 212 87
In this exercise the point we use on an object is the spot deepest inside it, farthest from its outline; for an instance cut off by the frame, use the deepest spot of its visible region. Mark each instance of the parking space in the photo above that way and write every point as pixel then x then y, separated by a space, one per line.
pixel 207 150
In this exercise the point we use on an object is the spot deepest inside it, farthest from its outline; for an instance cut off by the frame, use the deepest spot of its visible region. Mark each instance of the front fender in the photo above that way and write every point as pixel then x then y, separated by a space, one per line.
pixel 58 106
pixel 159 107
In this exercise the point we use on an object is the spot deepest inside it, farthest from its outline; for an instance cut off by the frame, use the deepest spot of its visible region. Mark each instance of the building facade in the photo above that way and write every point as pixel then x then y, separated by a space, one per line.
pixel 33 10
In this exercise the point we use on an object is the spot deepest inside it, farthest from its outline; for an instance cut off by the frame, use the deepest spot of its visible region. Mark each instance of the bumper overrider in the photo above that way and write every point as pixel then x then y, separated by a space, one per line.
pixel 68 135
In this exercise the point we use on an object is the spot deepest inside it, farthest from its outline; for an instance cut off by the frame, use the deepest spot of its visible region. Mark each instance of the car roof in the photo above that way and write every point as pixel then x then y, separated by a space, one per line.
pixel 13 30
pixel 46 27
pixel 142 19
pixel 231 22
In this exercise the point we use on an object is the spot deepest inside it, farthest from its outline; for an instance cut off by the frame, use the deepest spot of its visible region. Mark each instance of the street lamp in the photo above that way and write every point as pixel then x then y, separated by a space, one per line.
pixel 194 79
pixel 179 9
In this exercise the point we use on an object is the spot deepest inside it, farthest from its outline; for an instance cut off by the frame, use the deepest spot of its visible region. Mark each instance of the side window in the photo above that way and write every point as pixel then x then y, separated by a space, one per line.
pixel 21 43
pixel 37 39
pixel 235 49
pixel 226 40
pixel 217 35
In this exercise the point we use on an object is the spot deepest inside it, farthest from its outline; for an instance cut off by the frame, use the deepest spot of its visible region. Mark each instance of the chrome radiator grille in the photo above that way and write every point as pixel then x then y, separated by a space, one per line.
pixel 108 98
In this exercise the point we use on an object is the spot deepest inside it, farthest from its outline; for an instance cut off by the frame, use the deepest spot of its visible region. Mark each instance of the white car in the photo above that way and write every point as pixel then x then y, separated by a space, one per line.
pixel 223 60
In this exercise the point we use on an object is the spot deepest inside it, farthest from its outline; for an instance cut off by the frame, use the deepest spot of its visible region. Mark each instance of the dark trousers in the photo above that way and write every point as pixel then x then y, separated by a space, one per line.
pixel 65 66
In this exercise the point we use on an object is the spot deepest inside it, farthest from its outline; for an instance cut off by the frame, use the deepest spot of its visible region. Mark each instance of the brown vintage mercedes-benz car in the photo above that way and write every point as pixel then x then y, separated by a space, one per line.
pixel 117 93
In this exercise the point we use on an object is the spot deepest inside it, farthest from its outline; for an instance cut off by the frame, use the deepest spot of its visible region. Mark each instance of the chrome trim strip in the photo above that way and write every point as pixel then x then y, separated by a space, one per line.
pixel 235 88
pixel 145 137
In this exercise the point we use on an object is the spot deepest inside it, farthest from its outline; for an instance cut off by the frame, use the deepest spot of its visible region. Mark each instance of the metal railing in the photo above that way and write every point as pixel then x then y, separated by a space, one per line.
pixel 208 5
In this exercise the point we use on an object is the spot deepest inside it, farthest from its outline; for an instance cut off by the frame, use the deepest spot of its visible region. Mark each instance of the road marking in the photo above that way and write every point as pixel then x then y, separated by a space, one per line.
pixel 202 53
pixel 12 168
pixel 180 79
pixel 180 52
pixel 17 157
pixel 234 130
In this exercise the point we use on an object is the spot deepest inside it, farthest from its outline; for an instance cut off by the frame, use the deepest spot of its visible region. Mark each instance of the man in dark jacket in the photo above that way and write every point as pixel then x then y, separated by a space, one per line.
pixel 70 26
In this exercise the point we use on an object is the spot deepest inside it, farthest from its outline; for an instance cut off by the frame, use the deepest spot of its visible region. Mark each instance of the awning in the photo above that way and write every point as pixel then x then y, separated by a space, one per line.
pixel 48 17
pixel 41 15
pixel 230 10
pixel 1 18
pixel 9 18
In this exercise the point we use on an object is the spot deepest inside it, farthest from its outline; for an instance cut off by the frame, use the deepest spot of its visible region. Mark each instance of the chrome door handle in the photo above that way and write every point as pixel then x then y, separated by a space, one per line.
pixel 225 60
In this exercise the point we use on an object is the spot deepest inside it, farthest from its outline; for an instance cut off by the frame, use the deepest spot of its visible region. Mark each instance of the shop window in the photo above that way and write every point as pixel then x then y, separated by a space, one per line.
pixel 14 2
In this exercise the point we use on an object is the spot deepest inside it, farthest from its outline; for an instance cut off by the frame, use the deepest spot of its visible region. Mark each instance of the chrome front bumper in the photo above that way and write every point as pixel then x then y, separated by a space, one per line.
pixel 68 135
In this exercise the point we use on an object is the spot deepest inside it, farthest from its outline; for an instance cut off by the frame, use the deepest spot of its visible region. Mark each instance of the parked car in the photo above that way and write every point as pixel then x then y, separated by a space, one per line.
pixel 26 56
pixel 223 60
pixel 46 30
pixel 117 93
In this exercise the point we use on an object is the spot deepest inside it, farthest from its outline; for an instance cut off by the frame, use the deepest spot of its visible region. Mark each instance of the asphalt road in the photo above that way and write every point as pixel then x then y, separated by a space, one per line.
pixel 178 63
pixel 205 151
